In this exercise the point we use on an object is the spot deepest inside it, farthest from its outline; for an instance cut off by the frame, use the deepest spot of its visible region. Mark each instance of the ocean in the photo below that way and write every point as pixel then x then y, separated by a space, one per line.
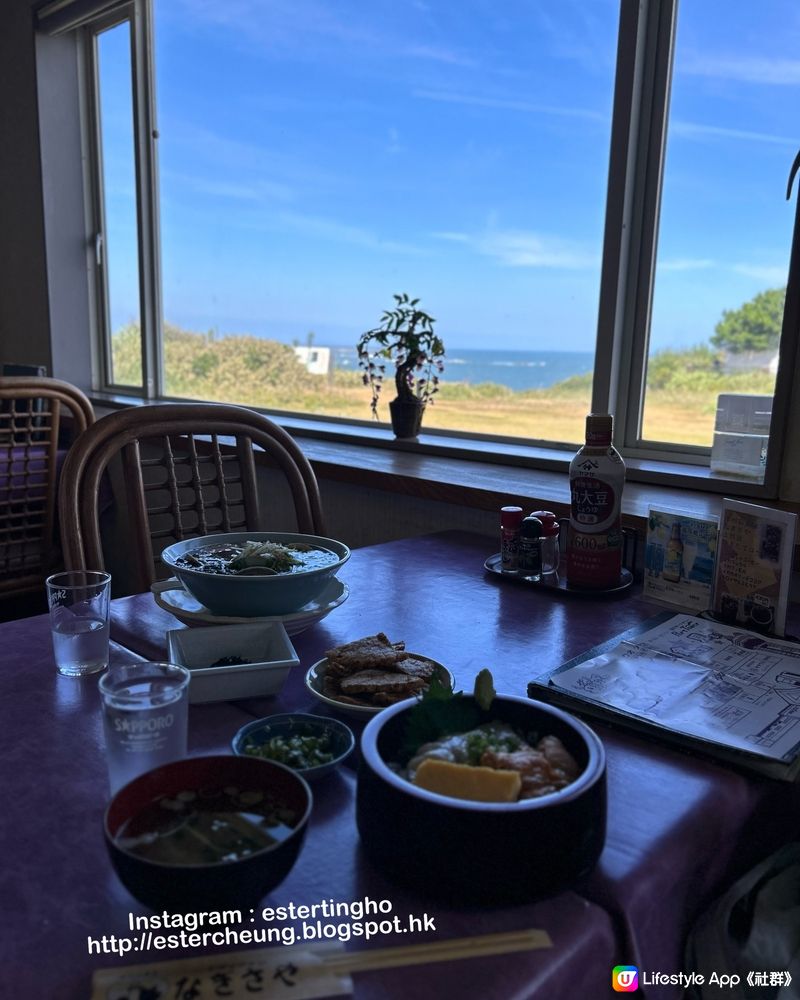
pixel 516 369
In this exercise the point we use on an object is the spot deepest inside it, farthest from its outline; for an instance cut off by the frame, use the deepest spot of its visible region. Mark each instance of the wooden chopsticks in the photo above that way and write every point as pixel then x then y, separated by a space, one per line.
pixel 437 951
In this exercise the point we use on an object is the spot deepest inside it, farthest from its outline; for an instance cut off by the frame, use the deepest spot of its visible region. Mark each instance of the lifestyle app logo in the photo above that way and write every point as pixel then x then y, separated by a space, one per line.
pixel 625 978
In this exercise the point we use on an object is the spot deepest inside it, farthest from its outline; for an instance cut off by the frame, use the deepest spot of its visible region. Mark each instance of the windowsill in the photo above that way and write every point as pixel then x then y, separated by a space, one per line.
pixel 454 468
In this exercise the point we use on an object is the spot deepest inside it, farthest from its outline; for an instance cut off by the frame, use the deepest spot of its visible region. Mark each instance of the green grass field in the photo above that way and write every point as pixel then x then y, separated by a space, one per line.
pixel 680 404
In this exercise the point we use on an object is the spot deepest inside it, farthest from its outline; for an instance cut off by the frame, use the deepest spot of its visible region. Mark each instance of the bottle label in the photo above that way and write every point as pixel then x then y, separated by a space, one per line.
pixel 530 558
pixel 594 559
pixel 509 549
pixel 592 501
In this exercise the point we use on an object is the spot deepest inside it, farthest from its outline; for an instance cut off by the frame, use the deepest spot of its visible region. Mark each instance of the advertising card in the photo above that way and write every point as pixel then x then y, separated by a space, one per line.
pixel 679 558
pixel 754 564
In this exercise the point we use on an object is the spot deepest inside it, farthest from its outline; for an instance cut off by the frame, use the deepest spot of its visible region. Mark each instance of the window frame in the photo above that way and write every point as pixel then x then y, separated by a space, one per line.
pixel 138 15
pixel 645 49
pixel 632 223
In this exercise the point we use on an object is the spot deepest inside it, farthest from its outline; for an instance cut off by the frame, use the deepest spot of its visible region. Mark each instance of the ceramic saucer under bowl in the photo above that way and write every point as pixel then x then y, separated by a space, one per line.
pixel 171 596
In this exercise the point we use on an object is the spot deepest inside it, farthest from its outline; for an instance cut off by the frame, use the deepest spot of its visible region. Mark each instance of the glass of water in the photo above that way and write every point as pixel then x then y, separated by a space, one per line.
pixel 145 711
pixel 78 602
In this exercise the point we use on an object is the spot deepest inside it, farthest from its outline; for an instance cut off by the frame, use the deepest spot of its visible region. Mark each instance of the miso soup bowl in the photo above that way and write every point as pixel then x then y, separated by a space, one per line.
pixel 482 852
pixel 239 883
pixel 255 596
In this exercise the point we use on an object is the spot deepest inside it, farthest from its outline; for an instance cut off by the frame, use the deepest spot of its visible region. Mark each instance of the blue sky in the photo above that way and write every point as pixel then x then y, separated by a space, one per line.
pixel 316 157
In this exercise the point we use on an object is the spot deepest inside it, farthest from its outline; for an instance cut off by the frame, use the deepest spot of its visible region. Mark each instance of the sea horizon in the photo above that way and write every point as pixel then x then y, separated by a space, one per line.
pixel 515 369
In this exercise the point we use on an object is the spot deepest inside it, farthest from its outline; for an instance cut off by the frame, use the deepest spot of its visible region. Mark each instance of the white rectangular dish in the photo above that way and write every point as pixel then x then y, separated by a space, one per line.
pixel 265 646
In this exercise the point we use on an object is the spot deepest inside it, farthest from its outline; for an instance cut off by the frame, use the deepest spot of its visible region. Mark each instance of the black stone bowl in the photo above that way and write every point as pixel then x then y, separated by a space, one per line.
pixel 482 851
pixel 240 883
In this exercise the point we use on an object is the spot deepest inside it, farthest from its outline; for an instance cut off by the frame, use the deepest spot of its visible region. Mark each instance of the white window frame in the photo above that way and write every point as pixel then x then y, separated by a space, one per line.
pixel 138 15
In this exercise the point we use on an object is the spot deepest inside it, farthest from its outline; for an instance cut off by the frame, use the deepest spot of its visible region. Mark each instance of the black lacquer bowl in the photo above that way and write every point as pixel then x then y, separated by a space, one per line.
pixel 236 883
pixel 476 851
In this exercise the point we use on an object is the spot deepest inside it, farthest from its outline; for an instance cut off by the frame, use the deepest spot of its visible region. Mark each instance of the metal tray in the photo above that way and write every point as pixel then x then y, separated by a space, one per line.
pixel 554 582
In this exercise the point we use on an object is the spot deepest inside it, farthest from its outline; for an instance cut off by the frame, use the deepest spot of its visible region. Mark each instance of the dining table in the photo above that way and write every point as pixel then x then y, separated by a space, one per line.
pixel 680 828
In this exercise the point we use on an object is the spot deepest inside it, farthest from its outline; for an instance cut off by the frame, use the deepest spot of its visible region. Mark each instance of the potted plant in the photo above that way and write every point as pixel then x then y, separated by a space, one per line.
pixel 406 337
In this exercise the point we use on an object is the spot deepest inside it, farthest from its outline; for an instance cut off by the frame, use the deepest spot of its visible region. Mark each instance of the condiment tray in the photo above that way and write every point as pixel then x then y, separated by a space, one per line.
pixel 554 582
pixel 171 596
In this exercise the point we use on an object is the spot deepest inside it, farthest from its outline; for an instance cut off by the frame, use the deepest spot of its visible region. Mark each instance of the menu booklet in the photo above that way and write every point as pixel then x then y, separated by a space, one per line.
pixel 724 691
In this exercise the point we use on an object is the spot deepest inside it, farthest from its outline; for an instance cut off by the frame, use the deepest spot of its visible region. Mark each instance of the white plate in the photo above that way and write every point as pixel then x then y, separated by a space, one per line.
pixel 171 596
pixel 316 676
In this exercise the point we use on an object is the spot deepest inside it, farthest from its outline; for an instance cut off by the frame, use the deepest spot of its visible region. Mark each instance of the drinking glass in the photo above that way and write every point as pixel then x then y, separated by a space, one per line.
pixel 145 710
pixel 78 602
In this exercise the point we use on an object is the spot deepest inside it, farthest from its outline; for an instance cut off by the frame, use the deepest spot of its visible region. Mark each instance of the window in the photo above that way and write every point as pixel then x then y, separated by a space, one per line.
pixel 116 238
pixel 723 234
pixel 314 162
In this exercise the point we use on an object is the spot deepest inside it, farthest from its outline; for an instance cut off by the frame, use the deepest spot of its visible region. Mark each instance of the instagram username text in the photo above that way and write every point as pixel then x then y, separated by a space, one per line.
pixel 323 921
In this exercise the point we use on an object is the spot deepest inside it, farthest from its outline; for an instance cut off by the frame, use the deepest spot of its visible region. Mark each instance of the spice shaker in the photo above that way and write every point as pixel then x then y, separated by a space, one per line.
pixel 529 566
pixel 550 540
pixel 510 521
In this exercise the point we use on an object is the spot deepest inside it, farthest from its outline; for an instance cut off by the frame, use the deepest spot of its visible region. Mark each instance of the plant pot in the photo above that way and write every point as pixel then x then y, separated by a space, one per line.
pixel 406 417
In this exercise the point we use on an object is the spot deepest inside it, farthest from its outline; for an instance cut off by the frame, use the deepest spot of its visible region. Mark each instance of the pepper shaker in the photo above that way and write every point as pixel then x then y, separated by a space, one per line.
pixel 550 540
pixel 530 549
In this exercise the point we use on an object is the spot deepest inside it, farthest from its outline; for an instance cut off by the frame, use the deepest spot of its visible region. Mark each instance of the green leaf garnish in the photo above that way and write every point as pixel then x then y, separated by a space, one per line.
pixel 484 689
pixel 441 712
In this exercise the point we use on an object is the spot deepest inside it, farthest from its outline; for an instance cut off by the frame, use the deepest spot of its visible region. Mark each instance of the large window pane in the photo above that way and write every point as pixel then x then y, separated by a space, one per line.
pixel 317 158
pixel 119 247
pixel 725 228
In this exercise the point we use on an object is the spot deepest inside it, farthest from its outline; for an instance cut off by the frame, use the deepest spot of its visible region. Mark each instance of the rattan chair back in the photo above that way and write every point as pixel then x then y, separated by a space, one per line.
pixel 184 470
pixel 31 419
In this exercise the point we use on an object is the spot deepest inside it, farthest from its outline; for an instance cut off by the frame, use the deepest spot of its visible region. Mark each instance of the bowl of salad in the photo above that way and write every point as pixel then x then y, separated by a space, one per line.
pixel 255 573
pixel 311 745
pixel 498 800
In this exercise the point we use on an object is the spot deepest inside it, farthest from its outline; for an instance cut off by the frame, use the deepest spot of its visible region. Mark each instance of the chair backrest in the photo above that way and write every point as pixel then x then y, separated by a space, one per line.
pixel 187 469
pixel 31 412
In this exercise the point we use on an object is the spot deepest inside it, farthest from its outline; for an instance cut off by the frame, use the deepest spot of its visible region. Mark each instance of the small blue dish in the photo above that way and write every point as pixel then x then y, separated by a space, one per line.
pixel 259 732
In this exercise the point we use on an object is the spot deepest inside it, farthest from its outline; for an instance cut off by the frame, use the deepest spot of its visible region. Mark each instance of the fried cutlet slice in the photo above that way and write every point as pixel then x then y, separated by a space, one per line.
pixel 416 668
pixel 383 698
pixel 330 687
pixel 335 669
pixel 355 700
pixel 371 651
pixel 374 681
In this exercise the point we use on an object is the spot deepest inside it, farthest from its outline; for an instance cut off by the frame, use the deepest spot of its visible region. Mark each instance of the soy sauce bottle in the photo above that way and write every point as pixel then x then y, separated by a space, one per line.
pixel 596 479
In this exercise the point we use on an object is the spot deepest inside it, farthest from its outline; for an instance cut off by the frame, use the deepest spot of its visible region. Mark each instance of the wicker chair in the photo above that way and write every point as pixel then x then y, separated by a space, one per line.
pixel 31 419
pixel 185 470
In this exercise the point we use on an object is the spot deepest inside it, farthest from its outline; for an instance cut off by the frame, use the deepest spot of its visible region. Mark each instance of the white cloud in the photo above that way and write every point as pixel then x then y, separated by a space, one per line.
pixel 320 227
pixel 685 264
pixel 452 237
pixel 394 145
pixel 519 248
pixel 693 130
pixel 436 54
pixel 256 191
pixel 280 24
pixel 774 276
pixel 509 104
pixel 745 69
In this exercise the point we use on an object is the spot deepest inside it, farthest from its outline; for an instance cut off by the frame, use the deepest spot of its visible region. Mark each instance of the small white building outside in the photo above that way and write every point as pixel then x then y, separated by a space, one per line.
pixel 316 360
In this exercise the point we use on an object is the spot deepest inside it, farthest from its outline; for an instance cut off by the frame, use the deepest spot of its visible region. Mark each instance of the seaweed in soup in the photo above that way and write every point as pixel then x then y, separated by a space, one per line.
pixel 254 558
pixel 206 827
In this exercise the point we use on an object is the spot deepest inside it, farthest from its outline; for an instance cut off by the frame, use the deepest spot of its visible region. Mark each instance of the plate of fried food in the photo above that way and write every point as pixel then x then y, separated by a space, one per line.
pixel 361 677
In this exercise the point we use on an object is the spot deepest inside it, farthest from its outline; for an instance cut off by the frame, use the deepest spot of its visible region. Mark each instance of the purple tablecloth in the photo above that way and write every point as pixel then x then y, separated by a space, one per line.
pixel 59 889
pixel 679 828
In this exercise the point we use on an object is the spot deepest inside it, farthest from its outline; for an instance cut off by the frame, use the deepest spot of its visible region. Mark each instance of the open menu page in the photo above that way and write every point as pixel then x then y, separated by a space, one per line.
pixel 698 677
